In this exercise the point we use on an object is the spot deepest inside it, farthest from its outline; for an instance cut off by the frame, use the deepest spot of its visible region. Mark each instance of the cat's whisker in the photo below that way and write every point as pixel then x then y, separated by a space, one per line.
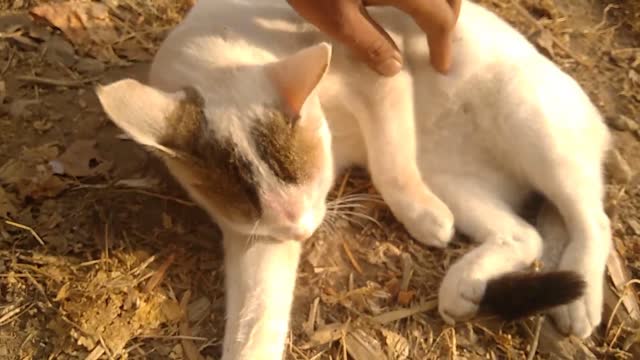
pixel 358 197
pixel 350 202
pixel 347 206
pixel 253 237
pixel 329 224
pixel 349 215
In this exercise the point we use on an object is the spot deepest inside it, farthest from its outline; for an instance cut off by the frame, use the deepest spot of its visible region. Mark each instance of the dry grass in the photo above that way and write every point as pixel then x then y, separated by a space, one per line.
pixel 110 260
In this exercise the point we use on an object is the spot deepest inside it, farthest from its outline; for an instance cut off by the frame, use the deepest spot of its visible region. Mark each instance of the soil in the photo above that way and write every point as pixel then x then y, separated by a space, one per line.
pixel 103 256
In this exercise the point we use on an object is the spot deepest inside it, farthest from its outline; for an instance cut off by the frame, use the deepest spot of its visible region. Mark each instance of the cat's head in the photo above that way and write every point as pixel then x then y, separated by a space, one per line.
pixel 254 151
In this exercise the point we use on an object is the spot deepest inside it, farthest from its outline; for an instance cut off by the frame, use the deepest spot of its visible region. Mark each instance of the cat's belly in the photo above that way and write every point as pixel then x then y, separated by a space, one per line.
pixel 458 153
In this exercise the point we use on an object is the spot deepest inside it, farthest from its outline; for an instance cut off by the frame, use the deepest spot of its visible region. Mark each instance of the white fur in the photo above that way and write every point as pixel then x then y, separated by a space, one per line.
pixel 503 123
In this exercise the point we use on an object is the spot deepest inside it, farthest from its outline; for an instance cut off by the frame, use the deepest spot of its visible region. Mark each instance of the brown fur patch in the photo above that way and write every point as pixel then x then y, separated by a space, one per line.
pixel 216 168
pixel 284 147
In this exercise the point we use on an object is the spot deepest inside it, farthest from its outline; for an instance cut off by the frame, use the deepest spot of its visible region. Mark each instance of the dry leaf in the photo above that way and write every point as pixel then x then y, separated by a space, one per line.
pixel 619 273
pixel 397 345
pixel 30 177
pixel 325 334
pixel 3 91
pixel 362 346
pixel 42 185
pixel 139 183
pixel 562 347
pixel 86 24
pixel 399 314
pixel 197 310
pixel 545 40
pixel 634 76
pixel 80 159
pixel 42 125
pixel 405 297
pixel 133 51
pixel 619 168
pixel 167 222
pixel 19 109
pixel 63 293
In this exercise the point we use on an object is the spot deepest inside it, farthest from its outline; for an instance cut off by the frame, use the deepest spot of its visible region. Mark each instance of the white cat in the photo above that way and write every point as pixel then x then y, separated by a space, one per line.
pixel 253 120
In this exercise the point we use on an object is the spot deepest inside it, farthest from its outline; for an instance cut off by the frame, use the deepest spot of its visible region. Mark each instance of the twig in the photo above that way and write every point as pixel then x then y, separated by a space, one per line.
pixel 351 258
pixel 298 351
pixel 25 227
pixel 56 82
pixel 159 274
pixel 191 351
pixel 105 347
pixel 96 353
pixel 433 345
pixel 626 287
pixel 407 271
pixel 135 190
pixel 405 313
pixel 9 62
pixel 454 345
pixel 160 196
pixel 616 336
pixel 172 337
pixel 14 313
pixel 536 338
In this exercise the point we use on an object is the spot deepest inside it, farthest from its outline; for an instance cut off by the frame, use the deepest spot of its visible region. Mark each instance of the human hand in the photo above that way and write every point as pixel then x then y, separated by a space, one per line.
pixel 348 22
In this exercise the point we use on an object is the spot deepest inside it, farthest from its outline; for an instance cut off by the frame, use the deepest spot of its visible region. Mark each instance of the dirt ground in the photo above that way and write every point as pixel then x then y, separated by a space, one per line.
pixel 102 256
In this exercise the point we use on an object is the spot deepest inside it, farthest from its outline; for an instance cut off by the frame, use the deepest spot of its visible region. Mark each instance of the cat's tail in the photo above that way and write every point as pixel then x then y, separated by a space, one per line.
pixel 520 294
pixel 517 295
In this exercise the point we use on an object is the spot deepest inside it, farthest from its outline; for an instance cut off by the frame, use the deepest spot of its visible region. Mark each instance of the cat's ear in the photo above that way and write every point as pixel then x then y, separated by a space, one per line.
pixel 139 110
pixel 296 76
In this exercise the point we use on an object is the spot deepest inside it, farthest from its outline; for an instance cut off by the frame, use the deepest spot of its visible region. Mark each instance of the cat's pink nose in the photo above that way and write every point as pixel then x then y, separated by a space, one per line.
pixel 305 227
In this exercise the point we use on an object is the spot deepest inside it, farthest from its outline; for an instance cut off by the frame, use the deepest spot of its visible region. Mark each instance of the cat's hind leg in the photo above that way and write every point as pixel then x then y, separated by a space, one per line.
pixel 507 244
pixel 575 187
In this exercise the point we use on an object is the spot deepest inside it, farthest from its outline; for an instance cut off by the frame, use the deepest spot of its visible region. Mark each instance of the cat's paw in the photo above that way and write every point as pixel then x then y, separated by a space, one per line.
pixel 580 317
pixel 431 224
pixel 460 294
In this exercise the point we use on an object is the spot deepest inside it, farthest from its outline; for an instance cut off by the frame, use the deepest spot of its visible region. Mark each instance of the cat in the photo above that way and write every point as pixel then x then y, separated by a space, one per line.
pixel 255 112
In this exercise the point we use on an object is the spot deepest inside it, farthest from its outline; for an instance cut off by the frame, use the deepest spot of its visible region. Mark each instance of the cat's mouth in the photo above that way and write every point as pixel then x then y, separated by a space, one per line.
pixel 352 209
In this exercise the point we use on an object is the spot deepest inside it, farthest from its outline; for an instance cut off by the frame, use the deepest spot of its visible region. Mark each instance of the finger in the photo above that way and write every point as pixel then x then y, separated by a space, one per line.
pixel 349 23
pixel 436 18
pixel 455 7
pixel 440 50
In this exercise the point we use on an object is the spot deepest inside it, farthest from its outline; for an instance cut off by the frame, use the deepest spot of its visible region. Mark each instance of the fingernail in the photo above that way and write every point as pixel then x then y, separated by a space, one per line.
pixel 441 65
pixel 389 67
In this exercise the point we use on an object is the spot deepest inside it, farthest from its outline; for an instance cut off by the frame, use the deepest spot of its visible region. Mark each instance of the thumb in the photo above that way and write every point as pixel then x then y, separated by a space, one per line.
pixel 371 42
pixel 349 23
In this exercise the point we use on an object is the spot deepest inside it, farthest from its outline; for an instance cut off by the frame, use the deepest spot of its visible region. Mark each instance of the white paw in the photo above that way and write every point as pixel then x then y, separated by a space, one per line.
pixel 580 317
pixel 431 225
pixel 460 294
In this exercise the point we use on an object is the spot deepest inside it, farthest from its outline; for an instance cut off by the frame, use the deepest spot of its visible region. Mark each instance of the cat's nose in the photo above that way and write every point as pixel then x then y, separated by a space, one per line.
pixel 305 227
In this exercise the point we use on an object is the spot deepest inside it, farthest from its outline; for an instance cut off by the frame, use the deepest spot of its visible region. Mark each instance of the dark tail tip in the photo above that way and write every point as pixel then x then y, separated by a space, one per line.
pixel 517 295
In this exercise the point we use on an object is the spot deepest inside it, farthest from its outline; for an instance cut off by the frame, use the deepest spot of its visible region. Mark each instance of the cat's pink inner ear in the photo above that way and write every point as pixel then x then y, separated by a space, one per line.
pixel 296 76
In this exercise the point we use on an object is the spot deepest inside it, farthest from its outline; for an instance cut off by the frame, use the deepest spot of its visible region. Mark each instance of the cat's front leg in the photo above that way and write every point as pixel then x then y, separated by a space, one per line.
pixel 388 127
pixel 260 279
